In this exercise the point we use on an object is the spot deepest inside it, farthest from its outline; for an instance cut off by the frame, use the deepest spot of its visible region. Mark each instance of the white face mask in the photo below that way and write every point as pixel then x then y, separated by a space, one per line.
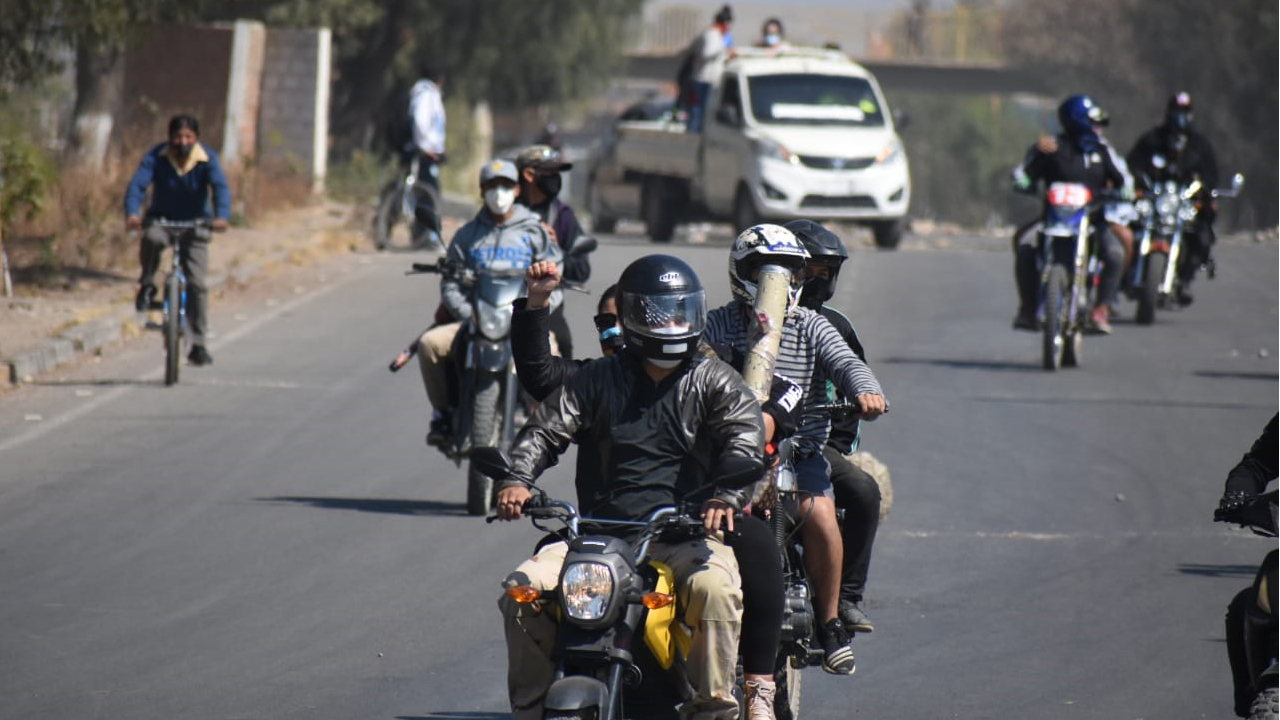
pixel 499 199
pixel 665 364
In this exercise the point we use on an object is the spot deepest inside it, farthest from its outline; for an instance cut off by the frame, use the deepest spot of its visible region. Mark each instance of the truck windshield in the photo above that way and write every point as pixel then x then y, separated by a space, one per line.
pixel 803 99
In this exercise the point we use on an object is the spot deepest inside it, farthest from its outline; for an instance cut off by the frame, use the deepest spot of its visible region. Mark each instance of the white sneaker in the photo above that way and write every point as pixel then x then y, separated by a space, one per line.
pixel 759 695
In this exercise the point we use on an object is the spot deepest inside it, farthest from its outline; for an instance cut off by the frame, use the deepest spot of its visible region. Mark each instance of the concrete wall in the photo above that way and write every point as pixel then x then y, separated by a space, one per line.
pixel 293 121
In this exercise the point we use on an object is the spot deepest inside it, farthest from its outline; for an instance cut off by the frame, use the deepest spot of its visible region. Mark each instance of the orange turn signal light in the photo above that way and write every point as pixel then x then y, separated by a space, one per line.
pixel 524 594
pixel 655 600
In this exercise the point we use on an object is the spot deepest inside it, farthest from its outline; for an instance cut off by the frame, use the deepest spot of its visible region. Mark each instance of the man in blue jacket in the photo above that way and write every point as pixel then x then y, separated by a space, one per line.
pixel 180 173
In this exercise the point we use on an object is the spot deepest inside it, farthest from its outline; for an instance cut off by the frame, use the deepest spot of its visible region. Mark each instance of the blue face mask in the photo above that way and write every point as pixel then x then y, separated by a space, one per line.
pixel 772 39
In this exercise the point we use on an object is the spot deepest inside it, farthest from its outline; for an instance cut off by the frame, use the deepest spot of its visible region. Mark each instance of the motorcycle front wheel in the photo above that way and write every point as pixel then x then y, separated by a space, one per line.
pixel 486 416
pixel 1149 293
pixel 1055 317
pixel 786 679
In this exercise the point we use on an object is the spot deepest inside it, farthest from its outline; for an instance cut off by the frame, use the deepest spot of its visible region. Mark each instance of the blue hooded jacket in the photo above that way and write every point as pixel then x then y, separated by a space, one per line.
pixel 179 192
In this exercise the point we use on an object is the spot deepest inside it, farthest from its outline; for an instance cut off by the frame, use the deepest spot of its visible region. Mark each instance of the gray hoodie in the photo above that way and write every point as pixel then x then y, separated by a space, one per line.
pixel 481 244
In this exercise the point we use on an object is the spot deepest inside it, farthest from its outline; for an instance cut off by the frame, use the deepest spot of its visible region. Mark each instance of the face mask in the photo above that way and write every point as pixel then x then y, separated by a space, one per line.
pixel 665 364
pixel 772 39
pixel 499 199
pixel 550 184
pixel 181 151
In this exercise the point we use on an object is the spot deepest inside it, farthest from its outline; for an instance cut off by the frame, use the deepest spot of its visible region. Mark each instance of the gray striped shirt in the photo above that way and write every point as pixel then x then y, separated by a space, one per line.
pixel 811 351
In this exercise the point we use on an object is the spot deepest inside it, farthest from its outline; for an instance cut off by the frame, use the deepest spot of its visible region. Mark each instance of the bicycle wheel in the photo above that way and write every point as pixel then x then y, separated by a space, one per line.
pixel 172 330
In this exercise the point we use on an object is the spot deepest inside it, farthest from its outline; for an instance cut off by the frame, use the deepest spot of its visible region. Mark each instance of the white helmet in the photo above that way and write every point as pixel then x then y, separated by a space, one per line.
pixel 761 245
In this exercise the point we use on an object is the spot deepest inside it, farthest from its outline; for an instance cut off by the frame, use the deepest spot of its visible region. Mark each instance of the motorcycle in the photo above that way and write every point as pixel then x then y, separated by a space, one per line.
pixel 1251 615
pixel 1165 213
pixel 489 392
pixel 414 199
pixel 620 651
pixel 1069 272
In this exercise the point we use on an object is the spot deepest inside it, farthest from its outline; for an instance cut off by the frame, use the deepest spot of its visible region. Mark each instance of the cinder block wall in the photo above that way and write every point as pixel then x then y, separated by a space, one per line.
pixel 293 116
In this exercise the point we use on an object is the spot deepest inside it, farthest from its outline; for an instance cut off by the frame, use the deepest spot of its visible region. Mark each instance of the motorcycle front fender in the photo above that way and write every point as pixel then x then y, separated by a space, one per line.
pixel 568 695
pixel 490 356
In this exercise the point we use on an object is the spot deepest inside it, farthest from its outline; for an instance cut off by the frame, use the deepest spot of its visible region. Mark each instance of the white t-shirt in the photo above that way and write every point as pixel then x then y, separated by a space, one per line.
pixel 711 53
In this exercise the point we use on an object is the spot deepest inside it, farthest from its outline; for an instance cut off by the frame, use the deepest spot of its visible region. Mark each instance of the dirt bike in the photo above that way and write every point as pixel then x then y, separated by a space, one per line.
pixel 1069 271
pixel 1165 213
pixel 620 651
pixel 1251 616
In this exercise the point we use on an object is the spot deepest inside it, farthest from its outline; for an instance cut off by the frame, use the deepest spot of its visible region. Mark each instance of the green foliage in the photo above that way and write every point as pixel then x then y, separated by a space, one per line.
pixel 27 173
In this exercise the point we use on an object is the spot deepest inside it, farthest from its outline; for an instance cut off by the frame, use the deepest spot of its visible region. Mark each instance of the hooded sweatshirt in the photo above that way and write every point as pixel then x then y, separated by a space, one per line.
pixel 482 244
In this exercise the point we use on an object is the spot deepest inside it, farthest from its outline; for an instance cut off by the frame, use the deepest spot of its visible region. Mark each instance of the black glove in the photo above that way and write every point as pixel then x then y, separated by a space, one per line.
pixel 783 406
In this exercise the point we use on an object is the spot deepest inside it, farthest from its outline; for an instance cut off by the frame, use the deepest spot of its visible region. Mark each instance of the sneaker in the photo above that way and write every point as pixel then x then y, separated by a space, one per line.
pixel 199 356
pixel 759 695
pixel 1099 320
pixel 839 658
pixel 854 618
pixel 440 434
pixel 145 298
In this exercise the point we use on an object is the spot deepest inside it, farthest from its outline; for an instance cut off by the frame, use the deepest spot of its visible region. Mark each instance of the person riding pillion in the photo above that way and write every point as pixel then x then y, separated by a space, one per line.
pixel 503 235
pixel 667 420
pixel 181 174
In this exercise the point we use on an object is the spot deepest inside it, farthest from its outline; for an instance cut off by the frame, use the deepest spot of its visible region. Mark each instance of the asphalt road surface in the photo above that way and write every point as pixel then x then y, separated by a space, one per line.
pixel 272 539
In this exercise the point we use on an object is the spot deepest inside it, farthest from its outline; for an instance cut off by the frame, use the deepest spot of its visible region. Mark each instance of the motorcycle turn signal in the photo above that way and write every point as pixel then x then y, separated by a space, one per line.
pixel 653 600
pixel 524 594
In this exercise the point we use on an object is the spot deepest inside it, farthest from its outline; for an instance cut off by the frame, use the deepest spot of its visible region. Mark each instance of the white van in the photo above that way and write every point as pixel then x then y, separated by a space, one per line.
pixel 803 133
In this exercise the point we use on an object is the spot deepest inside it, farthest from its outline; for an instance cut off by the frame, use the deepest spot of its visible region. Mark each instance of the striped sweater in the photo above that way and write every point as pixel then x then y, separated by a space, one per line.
pixel 811 352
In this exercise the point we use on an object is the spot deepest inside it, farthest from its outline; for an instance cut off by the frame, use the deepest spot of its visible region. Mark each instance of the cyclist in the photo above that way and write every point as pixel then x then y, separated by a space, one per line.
pixel 180 173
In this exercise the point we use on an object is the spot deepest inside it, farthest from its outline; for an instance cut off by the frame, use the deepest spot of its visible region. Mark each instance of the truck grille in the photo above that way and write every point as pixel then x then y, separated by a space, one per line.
pixel 836 163
pixel 838 201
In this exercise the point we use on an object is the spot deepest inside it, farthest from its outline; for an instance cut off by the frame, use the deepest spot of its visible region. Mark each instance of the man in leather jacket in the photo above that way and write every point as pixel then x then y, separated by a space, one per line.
pixel 1176 151
pixel 664 418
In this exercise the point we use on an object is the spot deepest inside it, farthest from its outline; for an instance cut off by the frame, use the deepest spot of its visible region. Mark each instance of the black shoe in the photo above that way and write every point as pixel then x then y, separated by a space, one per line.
pixel 838 658
pixel 440 434
pixel 146 296
pixel 199 356
pixel 1185 297
pixel 853 617
pixel 1025 321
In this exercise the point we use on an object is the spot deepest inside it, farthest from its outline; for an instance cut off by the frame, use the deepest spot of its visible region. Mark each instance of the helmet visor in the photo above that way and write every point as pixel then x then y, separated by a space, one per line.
pixel 672 314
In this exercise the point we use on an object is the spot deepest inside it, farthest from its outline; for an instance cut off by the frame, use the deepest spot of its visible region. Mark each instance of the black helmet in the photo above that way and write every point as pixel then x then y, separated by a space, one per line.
pixel 1177 112
pixel 662 307
pixel 824 248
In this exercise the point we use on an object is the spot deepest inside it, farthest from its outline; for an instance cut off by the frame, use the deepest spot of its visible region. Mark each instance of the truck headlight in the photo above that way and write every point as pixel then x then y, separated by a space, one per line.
pixel 775 150
pixel 890 152
pixel 586 589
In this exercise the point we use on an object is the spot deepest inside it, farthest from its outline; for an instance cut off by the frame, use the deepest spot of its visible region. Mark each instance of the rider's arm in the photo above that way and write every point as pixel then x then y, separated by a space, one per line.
pixel 1024 176
pixel 734 422
pixel 1208 165
pixel 452 294
pixel 137 190
pixel 1259 466
pixel 549 431
pixel 576 269
pixel 539 371
pixel 837 361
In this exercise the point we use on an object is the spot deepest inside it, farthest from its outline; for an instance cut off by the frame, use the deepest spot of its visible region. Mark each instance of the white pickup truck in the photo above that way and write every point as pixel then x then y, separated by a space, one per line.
pixel 803 133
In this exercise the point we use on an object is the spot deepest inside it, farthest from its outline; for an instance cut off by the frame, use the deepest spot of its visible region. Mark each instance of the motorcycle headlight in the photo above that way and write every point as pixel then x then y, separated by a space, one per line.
pixel 1166 206
pixel 1143 206
pixel 586 589
pixel 494 322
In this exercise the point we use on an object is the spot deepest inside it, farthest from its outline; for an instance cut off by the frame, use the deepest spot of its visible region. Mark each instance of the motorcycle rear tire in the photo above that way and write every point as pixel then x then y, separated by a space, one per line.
pixel 172 330
pixel 1055 318
pixel 1149 293
pixel 786 679
pixel 485 424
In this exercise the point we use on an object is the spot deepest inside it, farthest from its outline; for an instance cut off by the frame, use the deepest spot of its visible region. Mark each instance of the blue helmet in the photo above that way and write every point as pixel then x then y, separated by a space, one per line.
pixel 1079 114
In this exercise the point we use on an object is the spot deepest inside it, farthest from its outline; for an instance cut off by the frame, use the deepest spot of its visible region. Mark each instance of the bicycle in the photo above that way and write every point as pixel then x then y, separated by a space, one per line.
pixel 411 199
pixel 173 305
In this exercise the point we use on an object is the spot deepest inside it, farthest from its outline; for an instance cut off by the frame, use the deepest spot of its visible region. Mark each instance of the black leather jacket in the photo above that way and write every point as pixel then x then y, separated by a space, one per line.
pixel 655 444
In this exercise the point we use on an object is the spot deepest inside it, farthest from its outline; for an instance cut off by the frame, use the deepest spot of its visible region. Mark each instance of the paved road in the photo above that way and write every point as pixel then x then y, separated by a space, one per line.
pixel 271 539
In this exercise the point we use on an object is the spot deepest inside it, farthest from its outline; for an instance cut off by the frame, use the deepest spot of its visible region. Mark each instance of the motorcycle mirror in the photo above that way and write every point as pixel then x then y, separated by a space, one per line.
pixel 584 245
pixel 491 462
pixel 1237 182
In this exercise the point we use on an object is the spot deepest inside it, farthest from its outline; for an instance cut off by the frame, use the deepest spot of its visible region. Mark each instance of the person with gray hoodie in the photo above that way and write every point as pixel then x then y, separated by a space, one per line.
pixel 503 235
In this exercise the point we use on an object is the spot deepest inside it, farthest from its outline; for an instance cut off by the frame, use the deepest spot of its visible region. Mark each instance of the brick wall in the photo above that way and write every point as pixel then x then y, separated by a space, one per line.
pixel 292 119
pixel 179 70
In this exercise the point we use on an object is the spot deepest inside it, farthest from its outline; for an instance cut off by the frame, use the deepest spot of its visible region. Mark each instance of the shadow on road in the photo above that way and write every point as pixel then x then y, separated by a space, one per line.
pixel 1203 570
pixel 386 506
pixel 458 715
pixel 966 364
pixel 1270 377
pixel 102 382
pixel 1128 402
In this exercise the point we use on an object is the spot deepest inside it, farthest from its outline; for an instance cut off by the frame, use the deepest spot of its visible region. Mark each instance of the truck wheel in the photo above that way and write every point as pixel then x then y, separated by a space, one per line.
pixel 888 233
pixel 600 222
pixel 657 211
pixel 744 211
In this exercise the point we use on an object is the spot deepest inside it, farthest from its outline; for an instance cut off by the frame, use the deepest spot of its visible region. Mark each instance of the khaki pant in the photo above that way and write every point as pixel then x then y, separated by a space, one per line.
pixel 709 595
pixel 433 352
pixel 195 265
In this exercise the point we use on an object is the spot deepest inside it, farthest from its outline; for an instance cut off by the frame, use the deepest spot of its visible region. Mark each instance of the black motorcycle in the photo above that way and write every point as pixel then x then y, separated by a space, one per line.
pixel 1251 616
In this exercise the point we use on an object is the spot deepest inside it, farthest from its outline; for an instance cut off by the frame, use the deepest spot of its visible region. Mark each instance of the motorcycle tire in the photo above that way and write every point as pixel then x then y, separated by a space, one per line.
pixel 1149 293
pixel 1266 706
pixel 1055 317
pixel 786 680
pixel 485 421
pixel 172 330
pixel 384 221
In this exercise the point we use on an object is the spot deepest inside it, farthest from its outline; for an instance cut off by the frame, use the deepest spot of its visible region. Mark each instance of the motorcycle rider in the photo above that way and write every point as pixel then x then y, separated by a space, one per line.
pixel 1079 156
pixel 1174 150
pixel 810 350
pixel 665 420
pixel 501 233
pixel 856 492
pixel 540 182
pixel 181 174
pixel 1248 479
pixel 763 604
